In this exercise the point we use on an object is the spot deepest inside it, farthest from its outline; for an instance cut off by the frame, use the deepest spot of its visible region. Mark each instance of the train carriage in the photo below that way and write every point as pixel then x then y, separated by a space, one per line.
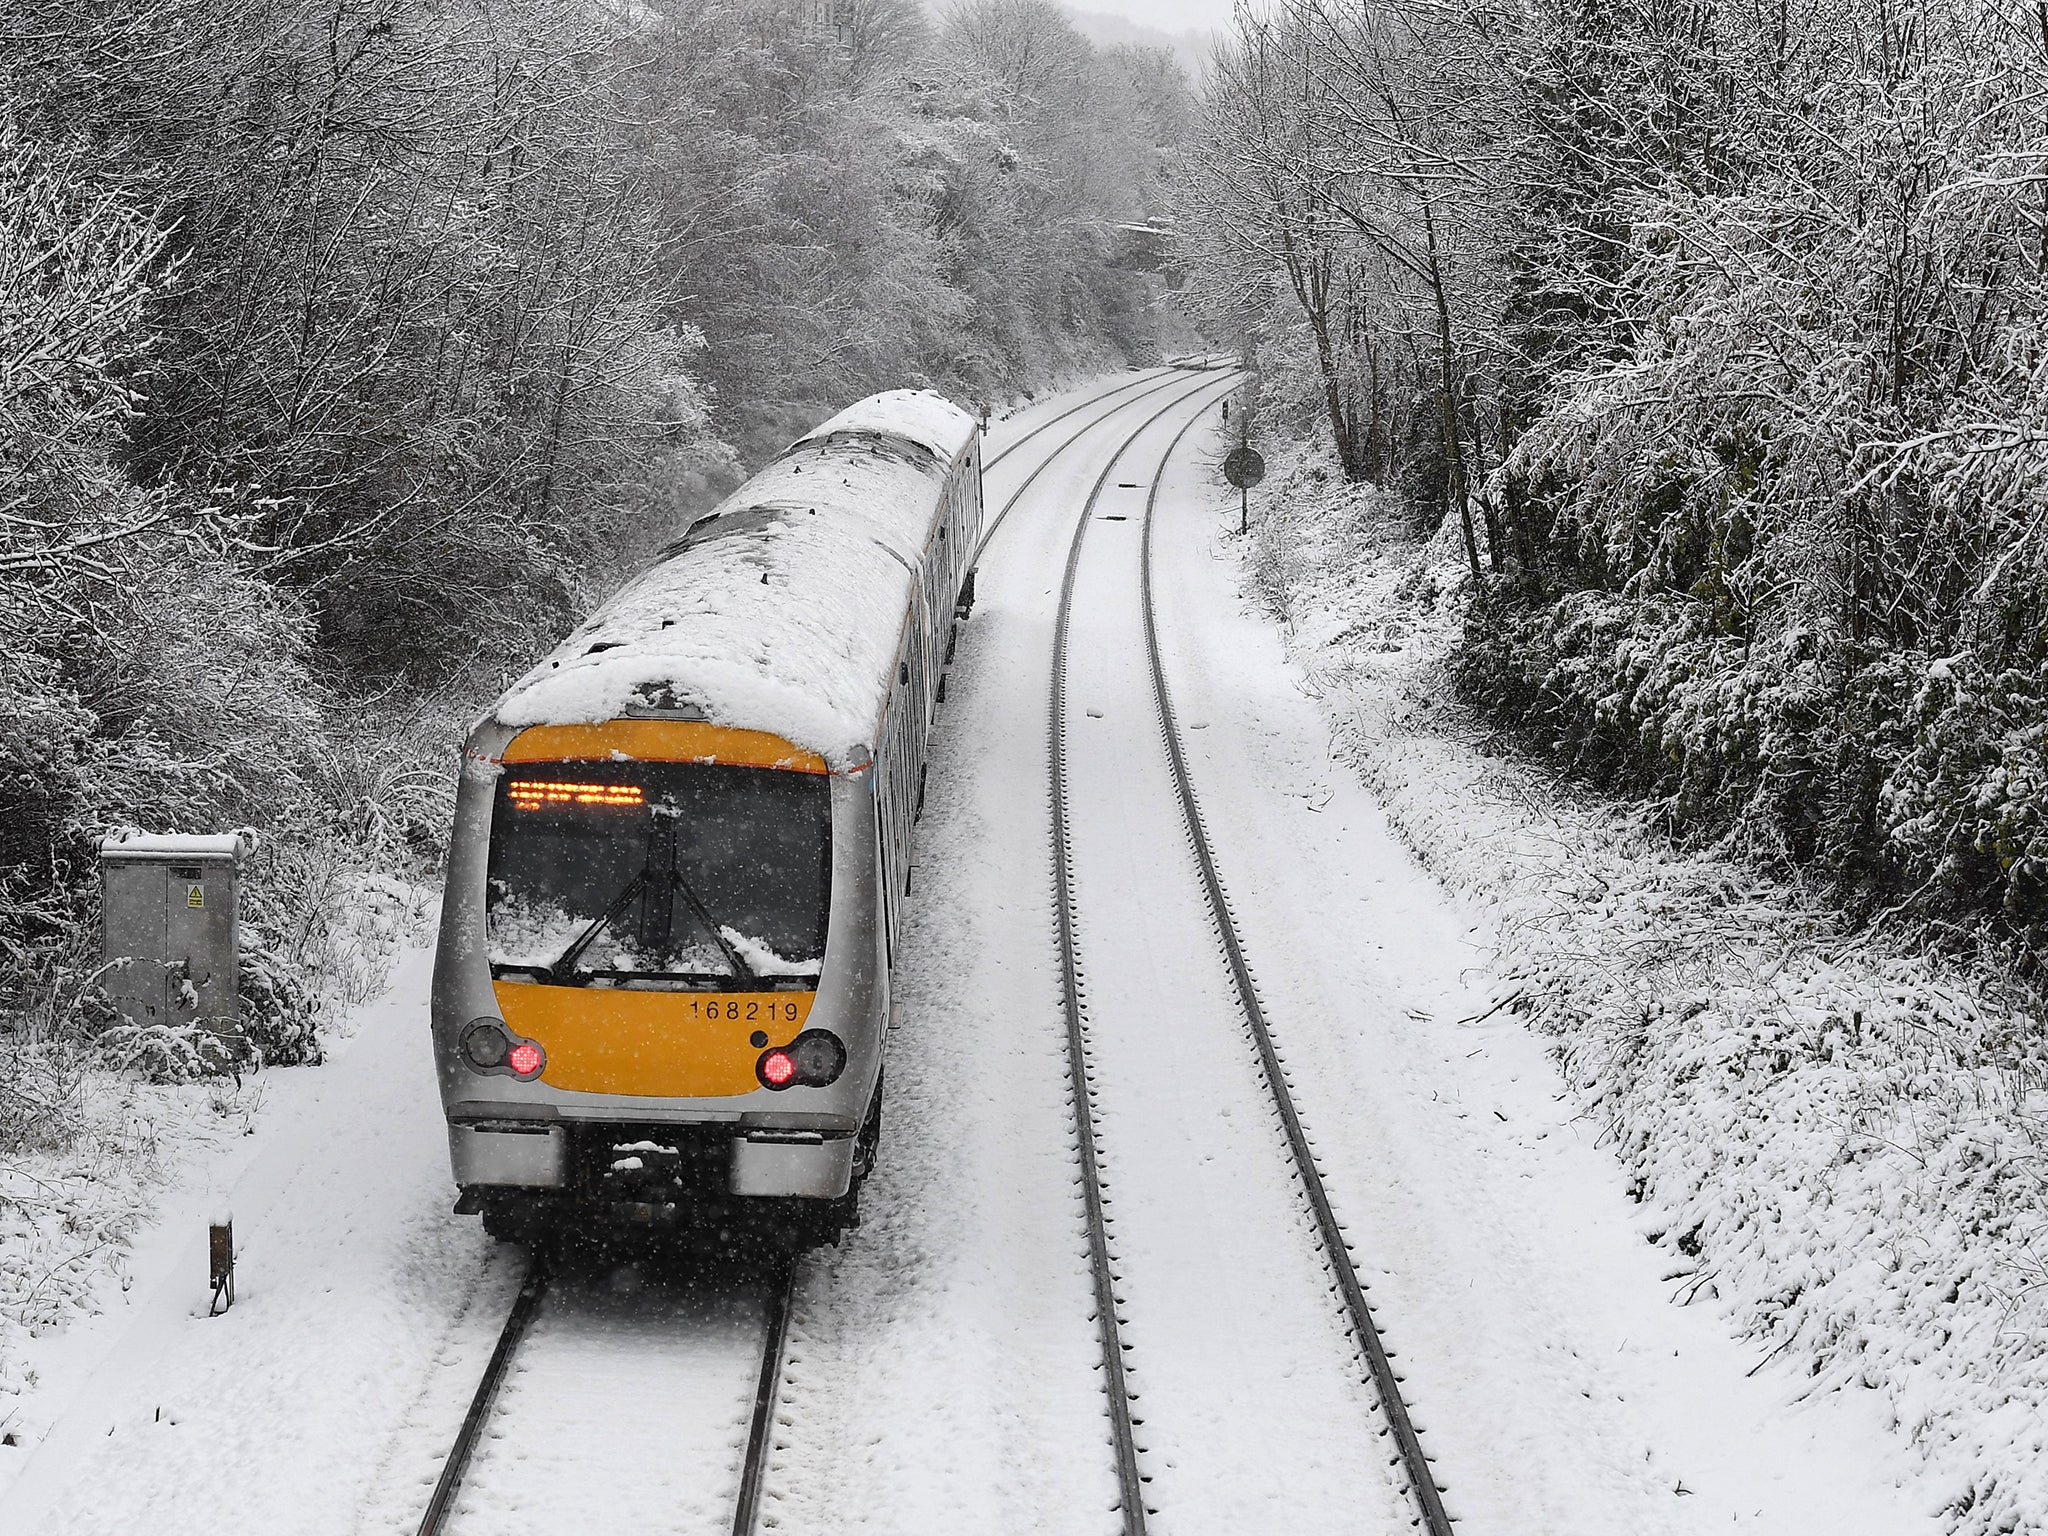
pixel 680 847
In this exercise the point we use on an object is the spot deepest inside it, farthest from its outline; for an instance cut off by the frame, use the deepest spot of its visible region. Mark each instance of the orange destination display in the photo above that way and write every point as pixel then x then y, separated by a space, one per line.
pixel 532 794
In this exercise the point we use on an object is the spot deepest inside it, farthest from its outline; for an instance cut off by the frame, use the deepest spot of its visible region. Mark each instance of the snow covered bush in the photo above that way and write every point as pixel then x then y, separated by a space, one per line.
pixel 1781 564
pixel 1967 803
pixel 1912 780
pixel 181 1051
pixel 1725 326
pixel 151 676
pixel 281 1007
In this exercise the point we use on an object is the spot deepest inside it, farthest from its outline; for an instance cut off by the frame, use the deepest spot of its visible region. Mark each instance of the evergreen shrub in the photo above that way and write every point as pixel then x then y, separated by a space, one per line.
pixel 1912 782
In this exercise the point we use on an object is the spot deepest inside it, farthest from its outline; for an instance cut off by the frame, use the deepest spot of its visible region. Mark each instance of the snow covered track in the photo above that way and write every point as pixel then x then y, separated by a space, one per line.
pixel 1415 1463
pixel 760 1432
pixel 452 1470
pixel 643 1397
pixel 1155 384
pixel 1249 1390
pixel 1158 378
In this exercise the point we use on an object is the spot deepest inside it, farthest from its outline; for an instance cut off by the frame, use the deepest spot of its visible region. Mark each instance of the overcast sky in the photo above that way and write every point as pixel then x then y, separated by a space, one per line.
pixel 1166 15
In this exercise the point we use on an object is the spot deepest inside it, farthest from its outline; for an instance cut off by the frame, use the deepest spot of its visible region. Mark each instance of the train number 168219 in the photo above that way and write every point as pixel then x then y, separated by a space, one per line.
pixel 765 1010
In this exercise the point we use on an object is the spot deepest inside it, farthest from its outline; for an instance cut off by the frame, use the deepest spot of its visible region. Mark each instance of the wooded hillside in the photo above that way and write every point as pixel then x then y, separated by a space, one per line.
pixel 1717 330
pixel 349 347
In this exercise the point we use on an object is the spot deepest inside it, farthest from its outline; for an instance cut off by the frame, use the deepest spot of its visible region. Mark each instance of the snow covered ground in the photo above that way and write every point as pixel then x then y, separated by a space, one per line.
pixel 1256 1413
pixel 1836 1145
pixel 943 1372
pixel 353 1281
pixel 121 1185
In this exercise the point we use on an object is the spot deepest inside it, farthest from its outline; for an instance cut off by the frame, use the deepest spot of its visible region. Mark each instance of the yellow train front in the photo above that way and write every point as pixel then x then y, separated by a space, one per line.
pixel 662 992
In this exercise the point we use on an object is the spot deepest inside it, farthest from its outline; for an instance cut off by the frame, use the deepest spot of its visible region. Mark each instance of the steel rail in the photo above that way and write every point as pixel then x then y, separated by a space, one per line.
pixel 1414 1461
pixel 1074 437
pixel 754 1469
pixel 1130 1481
pixel 1157 377
pixel 457 1464
pixel 1160 377
pixel 534 1288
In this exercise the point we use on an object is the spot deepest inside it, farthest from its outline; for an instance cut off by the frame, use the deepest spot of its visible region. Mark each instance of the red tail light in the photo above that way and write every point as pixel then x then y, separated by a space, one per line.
pixel 813 1059
pixel 525 1059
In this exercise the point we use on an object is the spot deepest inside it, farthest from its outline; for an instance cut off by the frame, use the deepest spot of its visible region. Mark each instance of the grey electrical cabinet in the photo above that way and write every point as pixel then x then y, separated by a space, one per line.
pixel 167 908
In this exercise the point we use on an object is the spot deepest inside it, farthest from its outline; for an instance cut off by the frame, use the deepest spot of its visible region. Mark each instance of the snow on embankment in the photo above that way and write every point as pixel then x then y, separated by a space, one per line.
pixel 779 610
pixel 92 1151
pixel 1839 1141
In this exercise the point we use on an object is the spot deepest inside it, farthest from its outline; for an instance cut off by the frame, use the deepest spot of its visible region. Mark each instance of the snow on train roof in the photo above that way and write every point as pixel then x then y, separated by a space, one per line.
pixel 921 415
pixel 779 610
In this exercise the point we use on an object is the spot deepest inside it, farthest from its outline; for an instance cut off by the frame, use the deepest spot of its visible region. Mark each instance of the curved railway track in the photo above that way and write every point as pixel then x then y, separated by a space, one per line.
pixel 1417 1471
pixel 1116 1388
pixel 1158 378
pixel 440 1514
pixel 1155 386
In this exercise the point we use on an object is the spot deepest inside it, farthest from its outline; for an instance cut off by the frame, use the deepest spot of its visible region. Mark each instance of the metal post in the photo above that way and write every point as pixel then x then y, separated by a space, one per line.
pixel 1244 509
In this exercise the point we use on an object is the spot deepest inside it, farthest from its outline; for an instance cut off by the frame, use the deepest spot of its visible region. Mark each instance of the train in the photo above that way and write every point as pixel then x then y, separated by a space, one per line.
pixel 662 993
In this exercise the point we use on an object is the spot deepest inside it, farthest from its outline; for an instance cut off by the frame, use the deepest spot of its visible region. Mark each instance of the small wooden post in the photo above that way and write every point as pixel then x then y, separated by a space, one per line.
pixel 220 1263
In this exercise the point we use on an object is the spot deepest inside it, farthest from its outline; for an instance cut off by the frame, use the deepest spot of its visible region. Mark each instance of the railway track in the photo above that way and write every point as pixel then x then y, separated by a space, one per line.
pixel 1417 1473
pixel 482 1420
pixel 1159 378
pixel 1123 1431
pixel 443 1511
pixel 1153 386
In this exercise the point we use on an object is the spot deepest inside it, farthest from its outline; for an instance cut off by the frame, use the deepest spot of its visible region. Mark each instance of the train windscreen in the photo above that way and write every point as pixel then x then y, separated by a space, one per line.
pixel 659 875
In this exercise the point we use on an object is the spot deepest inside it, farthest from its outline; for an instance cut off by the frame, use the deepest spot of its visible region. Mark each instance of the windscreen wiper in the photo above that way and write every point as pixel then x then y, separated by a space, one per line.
pixel 561 971
pixel 660 870
pixel 664 839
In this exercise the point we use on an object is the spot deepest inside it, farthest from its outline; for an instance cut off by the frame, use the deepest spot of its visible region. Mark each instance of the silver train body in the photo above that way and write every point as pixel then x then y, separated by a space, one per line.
pixel 662 992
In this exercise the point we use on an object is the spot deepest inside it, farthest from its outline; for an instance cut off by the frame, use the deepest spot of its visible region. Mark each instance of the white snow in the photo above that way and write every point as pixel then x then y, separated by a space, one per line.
pixel 1573 1379
pixel 762 959
pixel 1256 1412
pixel 1835 1140
pixel 351 1280
pixel 788 625
pixel 532 930
pixel 922 415
pixel 130 842
pixel 1563 1385
pixel 625 1410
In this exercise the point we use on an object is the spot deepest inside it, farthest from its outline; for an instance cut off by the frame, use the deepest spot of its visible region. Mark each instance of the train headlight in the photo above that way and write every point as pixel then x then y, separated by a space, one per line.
pixel 812 1060
pixel 488 1046
pixel 485 1044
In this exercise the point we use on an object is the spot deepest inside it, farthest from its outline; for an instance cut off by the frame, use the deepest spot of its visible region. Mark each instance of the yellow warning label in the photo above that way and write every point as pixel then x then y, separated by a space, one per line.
pixel 195 896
